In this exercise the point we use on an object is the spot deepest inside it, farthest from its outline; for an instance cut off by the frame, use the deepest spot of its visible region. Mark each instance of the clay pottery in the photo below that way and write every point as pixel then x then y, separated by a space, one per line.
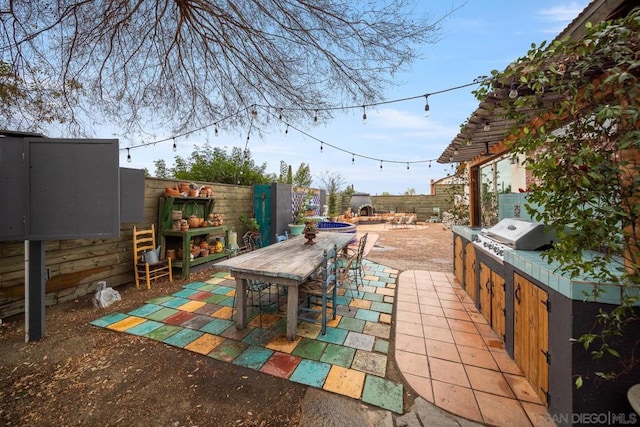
pixel 184 228
pixel 193 193
pixel 204 244
pixel 171 254
pixel 204 252
pixel 193 221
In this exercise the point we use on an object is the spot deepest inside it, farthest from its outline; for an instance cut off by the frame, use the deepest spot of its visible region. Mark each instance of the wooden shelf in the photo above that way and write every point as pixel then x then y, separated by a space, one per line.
pixel 199 206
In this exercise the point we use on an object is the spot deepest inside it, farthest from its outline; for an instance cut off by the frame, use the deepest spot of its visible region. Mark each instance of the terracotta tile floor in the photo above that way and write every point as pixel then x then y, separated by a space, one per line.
pixel 450 356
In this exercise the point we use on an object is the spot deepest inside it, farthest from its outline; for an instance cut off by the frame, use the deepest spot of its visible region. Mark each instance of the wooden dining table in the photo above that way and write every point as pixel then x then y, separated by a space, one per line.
pixel 288 263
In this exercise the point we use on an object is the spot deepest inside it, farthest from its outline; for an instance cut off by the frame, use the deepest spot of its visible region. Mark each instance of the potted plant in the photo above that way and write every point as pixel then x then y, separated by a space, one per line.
pixel 250 223
pixel 297 226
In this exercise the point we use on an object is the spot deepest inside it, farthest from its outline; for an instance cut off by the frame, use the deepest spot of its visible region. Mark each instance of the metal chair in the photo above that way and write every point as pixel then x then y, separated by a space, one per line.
pixel 323 288
pixel 351 260
pixel 144 242
pixel 282 237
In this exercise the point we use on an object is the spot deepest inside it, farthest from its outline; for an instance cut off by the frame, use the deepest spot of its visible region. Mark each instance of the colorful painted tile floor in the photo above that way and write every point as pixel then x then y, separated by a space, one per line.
pixel 350 359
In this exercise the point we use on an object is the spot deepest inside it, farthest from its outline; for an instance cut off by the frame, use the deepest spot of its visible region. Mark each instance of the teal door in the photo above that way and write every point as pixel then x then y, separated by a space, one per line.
pixel 262 200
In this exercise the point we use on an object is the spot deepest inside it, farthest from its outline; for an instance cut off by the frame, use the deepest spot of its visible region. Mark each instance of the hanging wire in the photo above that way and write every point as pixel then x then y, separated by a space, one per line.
pixel 254 113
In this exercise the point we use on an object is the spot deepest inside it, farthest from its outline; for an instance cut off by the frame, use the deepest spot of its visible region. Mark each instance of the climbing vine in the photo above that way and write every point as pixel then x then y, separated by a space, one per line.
pixel 577 120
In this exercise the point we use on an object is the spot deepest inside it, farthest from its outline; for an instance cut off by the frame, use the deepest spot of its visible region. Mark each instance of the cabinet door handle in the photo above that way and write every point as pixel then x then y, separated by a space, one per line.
pixel 516 294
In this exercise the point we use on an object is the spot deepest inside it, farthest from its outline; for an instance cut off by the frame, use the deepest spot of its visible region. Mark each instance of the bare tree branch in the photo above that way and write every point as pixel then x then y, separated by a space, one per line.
pixel 192 62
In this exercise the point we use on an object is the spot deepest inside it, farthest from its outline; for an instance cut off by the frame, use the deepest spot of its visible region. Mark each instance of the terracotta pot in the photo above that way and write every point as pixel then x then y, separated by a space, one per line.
pixel 184 228
pixel 193 221
pixel 204 252
pixel 204 244
pixel 171 254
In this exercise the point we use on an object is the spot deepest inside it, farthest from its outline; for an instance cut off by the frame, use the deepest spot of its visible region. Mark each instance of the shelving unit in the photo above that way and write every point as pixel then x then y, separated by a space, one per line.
pixel 181 240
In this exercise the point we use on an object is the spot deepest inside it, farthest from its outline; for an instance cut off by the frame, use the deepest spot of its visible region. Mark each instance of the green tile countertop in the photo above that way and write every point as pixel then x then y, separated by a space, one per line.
pixel 467 232
pixel 533 264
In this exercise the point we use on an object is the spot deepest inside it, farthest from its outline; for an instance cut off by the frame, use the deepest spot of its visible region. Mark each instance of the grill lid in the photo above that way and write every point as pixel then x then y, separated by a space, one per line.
pixel 520 234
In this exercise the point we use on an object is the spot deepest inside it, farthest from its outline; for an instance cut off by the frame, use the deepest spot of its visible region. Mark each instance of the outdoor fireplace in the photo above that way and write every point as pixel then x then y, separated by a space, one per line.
pixel 361 204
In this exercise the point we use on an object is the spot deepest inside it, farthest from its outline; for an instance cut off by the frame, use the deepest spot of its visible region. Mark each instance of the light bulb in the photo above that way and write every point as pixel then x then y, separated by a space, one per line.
pixel 426 106
pixel 380 165
pixel 321 147
pixel 215 131
pixel 455 151
pixel 487 126
pixel 128 156
pixel 364 115
pixel 315 117
pixel 513 93
pixel 407 166
pixel 353 159
pixel 175 147
pixel 286 131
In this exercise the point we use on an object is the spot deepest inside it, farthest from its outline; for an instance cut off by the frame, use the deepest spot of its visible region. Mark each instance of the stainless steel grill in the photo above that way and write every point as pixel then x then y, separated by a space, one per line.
pixel 511 233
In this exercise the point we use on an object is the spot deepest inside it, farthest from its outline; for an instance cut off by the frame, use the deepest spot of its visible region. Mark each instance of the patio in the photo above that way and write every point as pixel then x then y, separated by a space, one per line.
pixel 443 347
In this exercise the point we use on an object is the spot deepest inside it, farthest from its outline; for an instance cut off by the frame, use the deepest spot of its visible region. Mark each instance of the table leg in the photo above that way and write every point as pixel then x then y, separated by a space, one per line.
pixel 241 303
pixel 292 311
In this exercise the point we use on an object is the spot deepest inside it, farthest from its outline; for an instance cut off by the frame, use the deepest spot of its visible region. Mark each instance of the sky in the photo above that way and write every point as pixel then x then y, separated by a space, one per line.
pixel 480 36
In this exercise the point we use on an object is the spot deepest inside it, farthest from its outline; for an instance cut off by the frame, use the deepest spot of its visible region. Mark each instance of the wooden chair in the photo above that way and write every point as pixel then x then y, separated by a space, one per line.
pixel 145 240
pixel 320 295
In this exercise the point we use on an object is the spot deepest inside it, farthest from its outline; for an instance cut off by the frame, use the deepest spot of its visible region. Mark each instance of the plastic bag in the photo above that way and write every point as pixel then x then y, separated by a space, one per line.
pixel 105 296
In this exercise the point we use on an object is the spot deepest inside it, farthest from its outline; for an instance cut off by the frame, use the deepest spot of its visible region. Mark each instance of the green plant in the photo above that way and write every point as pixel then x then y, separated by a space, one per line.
pixel 249 222
pixel 586 176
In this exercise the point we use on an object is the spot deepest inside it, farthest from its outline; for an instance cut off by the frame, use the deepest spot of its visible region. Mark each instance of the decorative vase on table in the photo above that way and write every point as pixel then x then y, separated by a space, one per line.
pixel 310 233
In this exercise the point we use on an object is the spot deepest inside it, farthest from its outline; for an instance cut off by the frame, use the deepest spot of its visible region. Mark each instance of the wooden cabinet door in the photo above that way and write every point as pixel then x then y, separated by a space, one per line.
pixel 458 260
pixel 498 314
pixel 470 271
pixel 492 299
pixel 485 291
pixel 531 334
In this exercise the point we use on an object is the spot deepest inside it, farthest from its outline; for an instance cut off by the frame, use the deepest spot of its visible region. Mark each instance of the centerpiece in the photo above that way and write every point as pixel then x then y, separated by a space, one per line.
pixel 310 232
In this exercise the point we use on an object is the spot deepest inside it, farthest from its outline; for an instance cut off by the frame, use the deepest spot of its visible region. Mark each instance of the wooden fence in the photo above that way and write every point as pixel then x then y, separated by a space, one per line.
pixel 75 266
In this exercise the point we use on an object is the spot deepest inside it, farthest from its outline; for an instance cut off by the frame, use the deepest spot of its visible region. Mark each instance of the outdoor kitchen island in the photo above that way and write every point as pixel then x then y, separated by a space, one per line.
pixel 537 312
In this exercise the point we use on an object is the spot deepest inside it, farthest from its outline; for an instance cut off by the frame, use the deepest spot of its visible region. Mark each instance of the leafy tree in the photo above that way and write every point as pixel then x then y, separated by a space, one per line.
pixel 586 175
pixel 302 177
pixel 161 169
pixel 216 165
pixel 193 63
pixel 332 182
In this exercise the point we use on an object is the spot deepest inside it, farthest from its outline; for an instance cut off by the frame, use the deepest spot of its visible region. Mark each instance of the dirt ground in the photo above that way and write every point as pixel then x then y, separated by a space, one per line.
pixel 79 374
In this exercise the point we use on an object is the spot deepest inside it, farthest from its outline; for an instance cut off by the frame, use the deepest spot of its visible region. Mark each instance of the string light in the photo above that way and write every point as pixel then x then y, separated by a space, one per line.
pixel 353 159
pixel 175 147
pixel 128 156
pixel 487 126
pixel 513 92
pixel 315 117
pixel 321 147
pixel 426 106
pixel 380 165
pixel 429 163
pixel 253 112
pixel 407 165
pixel 455 151
pixel 286 131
